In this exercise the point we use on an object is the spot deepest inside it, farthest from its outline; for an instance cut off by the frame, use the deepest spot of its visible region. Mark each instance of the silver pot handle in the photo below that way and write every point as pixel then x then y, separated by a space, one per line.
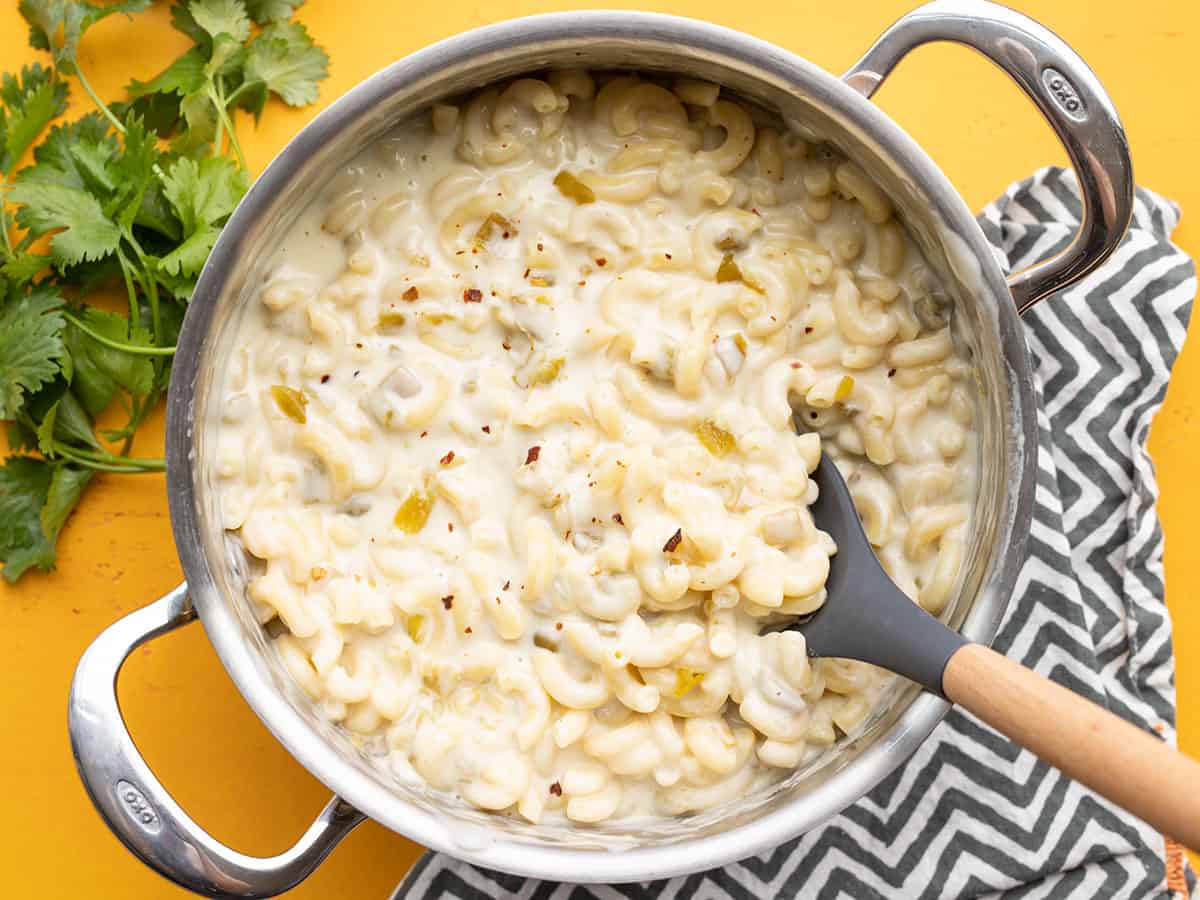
pixel 1068 94
pixel 138 808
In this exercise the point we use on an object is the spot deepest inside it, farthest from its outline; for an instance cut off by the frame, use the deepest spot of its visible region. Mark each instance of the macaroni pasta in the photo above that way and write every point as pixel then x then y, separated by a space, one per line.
pixel 511 443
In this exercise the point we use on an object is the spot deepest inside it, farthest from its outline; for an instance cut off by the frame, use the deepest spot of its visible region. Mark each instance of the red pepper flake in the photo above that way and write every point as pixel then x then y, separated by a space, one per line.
pixel 567 536
pixel 487 429
pixel 602 262
pixel 526 275
pixel 532 455
pixel 448 458
pixel 467 630
pixel 506 345
pixel 808 329
pixel 507 584
pixel 325 379
pixel 617 518
pixel 673 541
pixel 448 601
pixel 556 789
pixel 668 256
pixel 795 365
pixel 450 526
pixel 891 373
pixel 358 346
pixel 581 283
pixel 558 626
pixel 472 295
pixel 411 294
pixel 540 248
pixel 423 433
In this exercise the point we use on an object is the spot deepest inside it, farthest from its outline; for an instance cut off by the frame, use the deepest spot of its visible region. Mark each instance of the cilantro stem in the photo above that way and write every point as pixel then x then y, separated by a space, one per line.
pixel 219 133
pixel 149 283
pixel 135 419
pixel 4 215
pixel 108 113
pixel 149 402
pixel 134 308
pixel 218 99
pixel 237 93
pixel 109 462
pixel 135 349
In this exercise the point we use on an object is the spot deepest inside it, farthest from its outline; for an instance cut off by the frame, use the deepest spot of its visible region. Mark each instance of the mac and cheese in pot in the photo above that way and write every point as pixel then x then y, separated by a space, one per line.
pixel 512 441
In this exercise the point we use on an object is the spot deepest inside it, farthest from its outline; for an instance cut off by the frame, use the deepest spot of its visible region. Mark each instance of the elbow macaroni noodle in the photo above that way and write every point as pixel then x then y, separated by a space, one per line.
pixel 512 446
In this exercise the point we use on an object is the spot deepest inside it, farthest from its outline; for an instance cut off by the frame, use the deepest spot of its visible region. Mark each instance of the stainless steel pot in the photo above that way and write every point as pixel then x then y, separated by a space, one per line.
pixel 139 809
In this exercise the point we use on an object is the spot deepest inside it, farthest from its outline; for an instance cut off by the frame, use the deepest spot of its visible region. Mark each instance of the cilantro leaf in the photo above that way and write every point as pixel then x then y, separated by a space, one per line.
pixel 56 159
pixel 184 76
pixel 27 104
pixel 66 487
pixel 155 213
pixel 24 486
pixel 284 58
pixel 36 497
pixel 188 258
pixel 133 171
pixel 68 421
pixel 31 346
pixel 228 58
pixel 20 437
pixel 265 11
pixel 160 112
pixel 203 194
pixel 57 25
pixel 24 267
pixel 190 96
pixel 183 22
pixel 200 119
pixel 82 179
pixel 94 163
pixel 82 231
pixel 99 370
pixel 219 17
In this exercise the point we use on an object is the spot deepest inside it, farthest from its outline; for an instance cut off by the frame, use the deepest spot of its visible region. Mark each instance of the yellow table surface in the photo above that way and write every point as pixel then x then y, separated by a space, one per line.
pixel 117 554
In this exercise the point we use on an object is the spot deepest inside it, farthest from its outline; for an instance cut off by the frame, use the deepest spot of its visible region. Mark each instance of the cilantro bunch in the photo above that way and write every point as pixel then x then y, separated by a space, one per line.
pixel 126 201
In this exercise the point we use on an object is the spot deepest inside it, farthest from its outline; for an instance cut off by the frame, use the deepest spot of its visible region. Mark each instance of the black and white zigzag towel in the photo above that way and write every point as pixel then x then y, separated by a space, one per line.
pixel 970 815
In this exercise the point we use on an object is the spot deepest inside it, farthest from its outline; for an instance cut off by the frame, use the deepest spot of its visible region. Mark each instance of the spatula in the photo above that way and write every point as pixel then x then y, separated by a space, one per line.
pixel 867 617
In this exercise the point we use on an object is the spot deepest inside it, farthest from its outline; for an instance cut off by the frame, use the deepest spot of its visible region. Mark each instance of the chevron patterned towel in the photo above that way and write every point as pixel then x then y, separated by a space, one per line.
pixel 970 815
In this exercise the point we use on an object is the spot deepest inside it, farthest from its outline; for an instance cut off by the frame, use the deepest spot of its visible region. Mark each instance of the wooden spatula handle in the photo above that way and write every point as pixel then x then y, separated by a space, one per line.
pixel 1089 744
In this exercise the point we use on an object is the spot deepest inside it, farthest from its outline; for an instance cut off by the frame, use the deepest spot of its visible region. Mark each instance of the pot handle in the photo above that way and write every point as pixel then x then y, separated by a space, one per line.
pixel 1068 94
pixel 138 808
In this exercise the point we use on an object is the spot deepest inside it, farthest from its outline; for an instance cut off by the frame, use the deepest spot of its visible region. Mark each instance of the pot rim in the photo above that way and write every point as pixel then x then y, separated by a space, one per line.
pixel 554 862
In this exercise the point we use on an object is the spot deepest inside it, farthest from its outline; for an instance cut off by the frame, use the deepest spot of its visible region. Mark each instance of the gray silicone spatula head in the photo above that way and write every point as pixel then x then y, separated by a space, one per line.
pixel 865 615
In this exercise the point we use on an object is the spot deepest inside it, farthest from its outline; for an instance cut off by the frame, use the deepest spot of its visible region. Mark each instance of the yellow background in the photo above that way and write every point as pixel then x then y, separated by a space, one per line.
pixel 116 554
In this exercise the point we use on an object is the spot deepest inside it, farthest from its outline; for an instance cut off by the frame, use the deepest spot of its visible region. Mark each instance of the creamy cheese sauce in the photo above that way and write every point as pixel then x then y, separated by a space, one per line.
pixel 510 440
